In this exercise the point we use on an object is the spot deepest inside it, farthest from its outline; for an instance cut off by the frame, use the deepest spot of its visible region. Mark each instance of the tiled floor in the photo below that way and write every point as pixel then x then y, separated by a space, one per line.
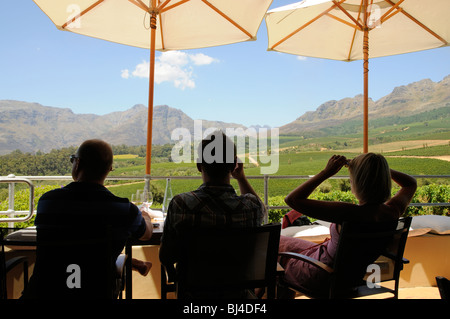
pixel 419 293
pixel 407 293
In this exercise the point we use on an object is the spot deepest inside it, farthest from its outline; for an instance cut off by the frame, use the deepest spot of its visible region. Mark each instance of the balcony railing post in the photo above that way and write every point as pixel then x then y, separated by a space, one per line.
pixel 11 212
pixel 266 196
pixel 147 182
pixel 11 193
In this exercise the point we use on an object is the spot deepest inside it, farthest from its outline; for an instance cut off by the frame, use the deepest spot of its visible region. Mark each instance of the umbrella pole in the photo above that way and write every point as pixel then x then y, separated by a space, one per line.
pixel 366 80
pixel 366 91
pixel 150 94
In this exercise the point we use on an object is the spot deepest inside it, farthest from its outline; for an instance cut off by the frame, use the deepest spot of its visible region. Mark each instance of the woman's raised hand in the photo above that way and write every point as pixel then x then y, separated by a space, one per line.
pixel 335 164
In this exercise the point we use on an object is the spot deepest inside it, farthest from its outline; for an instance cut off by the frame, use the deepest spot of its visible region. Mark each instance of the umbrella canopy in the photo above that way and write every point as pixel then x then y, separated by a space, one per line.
pixel 349 30
pixel 159 25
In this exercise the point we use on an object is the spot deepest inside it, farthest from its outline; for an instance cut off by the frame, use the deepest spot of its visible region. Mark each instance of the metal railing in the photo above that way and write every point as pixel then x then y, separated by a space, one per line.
pixel 11 180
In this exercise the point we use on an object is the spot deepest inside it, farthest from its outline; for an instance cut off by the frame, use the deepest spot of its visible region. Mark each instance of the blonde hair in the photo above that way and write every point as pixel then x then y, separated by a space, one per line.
pixel 371 178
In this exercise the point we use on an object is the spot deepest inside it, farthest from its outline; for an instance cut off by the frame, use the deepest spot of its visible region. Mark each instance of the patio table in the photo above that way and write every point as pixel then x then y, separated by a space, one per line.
pixel 154 240
pixel 26 239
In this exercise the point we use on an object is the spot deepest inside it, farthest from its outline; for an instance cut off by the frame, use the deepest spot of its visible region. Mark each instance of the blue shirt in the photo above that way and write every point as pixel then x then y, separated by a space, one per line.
pixel 87 206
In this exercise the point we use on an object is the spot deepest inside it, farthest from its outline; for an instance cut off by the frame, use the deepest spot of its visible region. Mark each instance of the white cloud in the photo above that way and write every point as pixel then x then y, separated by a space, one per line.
pixel 125 74
pixel 301 58
pixel 180 77
pixel 172 66
pixel 202 59
pixel 174 58
pixel 142 70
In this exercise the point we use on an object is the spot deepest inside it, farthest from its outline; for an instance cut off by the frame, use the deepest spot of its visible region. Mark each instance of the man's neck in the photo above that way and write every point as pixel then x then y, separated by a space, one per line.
pixel 82 179
pixel 215 181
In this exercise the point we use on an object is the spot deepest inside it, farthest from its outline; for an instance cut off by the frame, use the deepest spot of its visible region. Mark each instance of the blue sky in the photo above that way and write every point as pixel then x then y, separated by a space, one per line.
pixel 241 83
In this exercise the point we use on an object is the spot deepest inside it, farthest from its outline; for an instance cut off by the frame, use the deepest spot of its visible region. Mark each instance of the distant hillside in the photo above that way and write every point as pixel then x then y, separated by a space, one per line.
pixel 405 101
pixel 32 127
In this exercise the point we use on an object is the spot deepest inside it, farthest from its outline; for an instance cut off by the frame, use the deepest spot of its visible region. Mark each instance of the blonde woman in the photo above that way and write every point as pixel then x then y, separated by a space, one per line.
pixel 370 179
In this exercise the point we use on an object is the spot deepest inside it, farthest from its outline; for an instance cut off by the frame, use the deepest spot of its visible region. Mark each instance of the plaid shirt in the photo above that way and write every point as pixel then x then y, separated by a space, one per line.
pixel 209 206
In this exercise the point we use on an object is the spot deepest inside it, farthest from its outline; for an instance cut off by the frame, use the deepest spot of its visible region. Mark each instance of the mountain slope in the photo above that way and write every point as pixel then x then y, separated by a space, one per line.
pixel 31 127
pixel 407 100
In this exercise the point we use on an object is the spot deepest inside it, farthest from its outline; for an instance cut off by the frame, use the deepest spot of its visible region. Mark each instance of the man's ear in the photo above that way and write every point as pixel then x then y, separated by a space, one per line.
pixel 76 169
pixel 199 167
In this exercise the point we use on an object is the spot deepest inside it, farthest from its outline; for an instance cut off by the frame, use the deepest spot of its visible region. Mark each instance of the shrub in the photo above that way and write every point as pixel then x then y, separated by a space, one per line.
pixel 432 193
pixel 276 215
pixel 337 196
pixel 21 202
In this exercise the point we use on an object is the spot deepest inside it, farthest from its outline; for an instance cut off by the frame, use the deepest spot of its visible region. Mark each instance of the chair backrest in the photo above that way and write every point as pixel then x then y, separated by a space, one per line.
pixel 391 260
pixel 73 263
pixel 361 244
pixel 443 286
pixel 223 260
pixel 3 233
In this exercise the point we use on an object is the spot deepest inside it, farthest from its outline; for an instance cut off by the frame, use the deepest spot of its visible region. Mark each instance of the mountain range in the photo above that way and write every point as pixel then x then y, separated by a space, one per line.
pixel 32 127
pixel 415 98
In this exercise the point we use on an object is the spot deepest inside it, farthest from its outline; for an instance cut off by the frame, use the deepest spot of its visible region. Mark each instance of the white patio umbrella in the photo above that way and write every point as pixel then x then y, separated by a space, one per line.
pixel 340 29
pixel 159 25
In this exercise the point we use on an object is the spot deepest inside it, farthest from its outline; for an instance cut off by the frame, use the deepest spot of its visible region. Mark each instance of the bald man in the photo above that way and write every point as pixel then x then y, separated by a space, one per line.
pixel 87 204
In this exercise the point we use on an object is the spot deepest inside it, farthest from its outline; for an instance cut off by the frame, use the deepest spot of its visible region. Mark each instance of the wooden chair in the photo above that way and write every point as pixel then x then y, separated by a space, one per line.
pixel 360 245
pixel 443 286
pixel 225 263
pixel 6 265
pixel 76 263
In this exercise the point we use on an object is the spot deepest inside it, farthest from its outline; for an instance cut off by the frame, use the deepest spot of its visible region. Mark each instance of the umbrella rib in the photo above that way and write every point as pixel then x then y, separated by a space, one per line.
pixel 348 14
pixel 161 31
pixel 354 34
pixel 387 15
pixel 174 5
pixel 144 7
pixel 140 4
pixel 419 23
pixel 390 16
pixel 305 25
pixel 343 21
pixel 228 18
pixel 161 7
pixel 81 14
